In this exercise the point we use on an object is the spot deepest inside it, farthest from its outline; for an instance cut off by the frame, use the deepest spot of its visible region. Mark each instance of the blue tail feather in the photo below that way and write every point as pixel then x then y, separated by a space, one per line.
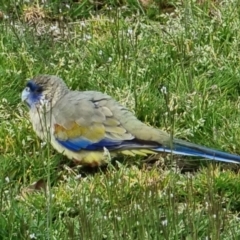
pixel 188 149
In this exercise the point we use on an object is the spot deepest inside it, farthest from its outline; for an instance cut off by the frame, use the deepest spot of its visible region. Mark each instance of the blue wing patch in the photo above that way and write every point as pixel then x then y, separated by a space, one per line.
pixel 80 143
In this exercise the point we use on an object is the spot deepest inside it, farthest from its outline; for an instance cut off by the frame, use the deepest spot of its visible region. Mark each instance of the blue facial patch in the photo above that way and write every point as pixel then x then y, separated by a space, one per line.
pixel 34 87
pixel 35 93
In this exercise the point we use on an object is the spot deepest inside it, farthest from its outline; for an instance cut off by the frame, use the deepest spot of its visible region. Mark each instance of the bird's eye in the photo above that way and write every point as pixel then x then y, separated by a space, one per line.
pixel 38 90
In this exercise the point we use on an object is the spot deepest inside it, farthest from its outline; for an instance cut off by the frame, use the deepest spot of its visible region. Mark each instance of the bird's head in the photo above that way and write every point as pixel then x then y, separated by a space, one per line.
pixel 44 89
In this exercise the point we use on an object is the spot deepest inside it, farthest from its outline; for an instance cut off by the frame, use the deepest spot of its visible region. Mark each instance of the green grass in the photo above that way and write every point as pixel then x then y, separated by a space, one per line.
pixel 133 53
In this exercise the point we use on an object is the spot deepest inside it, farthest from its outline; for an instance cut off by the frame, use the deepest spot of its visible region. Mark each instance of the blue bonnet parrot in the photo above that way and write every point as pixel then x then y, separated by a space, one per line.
pixel 84 124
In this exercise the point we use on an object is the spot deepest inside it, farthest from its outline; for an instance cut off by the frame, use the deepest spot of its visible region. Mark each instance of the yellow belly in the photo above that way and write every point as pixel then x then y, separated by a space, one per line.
pixel 96 158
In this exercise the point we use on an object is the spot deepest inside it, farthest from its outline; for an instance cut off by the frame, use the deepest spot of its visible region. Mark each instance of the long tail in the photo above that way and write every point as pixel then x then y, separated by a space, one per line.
pixel 181 147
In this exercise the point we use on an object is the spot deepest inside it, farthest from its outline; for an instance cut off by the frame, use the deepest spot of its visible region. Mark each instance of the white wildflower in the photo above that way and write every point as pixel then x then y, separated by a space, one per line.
pixel 77 177
pixel 83 24
pixel 53 28
pixel 42 144
pixel 130 31
pixel 164 222
pixel 164 90
pixel 32 236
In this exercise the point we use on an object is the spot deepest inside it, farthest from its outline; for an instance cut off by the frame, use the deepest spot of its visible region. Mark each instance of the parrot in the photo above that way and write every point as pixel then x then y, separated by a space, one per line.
pixel 84 125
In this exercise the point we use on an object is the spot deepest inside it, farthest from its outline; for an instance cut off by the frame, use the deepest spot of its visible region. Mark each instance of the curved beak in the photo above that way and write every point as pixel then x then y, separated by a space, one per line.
pixel 25 95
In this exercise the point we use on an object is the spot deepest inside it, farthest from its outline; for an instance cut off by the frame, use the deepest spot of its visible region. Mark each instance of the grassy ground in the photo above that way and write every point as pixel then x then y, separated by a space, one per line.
pixel 134 52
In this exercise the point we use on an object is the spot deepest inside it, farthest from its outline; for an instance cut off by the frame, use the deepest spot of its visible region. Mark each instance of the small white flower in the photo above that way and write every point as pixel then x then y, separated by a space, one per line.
pixel 110 59
pixel 7 179
pixel 164 90
pixel 164 222
pixel 100 52
pixel 130 31
pixel 43 144
pixel 78 176
pixel 86 37
pixel 53 28
pixel 83 24
pixel 67 6
pixel 32 236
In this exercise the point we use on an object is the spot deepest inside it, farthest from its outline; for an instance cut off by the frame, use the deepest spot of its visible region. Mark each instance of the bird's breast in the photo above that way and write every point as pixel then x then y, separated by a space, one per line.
pixel 41 123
